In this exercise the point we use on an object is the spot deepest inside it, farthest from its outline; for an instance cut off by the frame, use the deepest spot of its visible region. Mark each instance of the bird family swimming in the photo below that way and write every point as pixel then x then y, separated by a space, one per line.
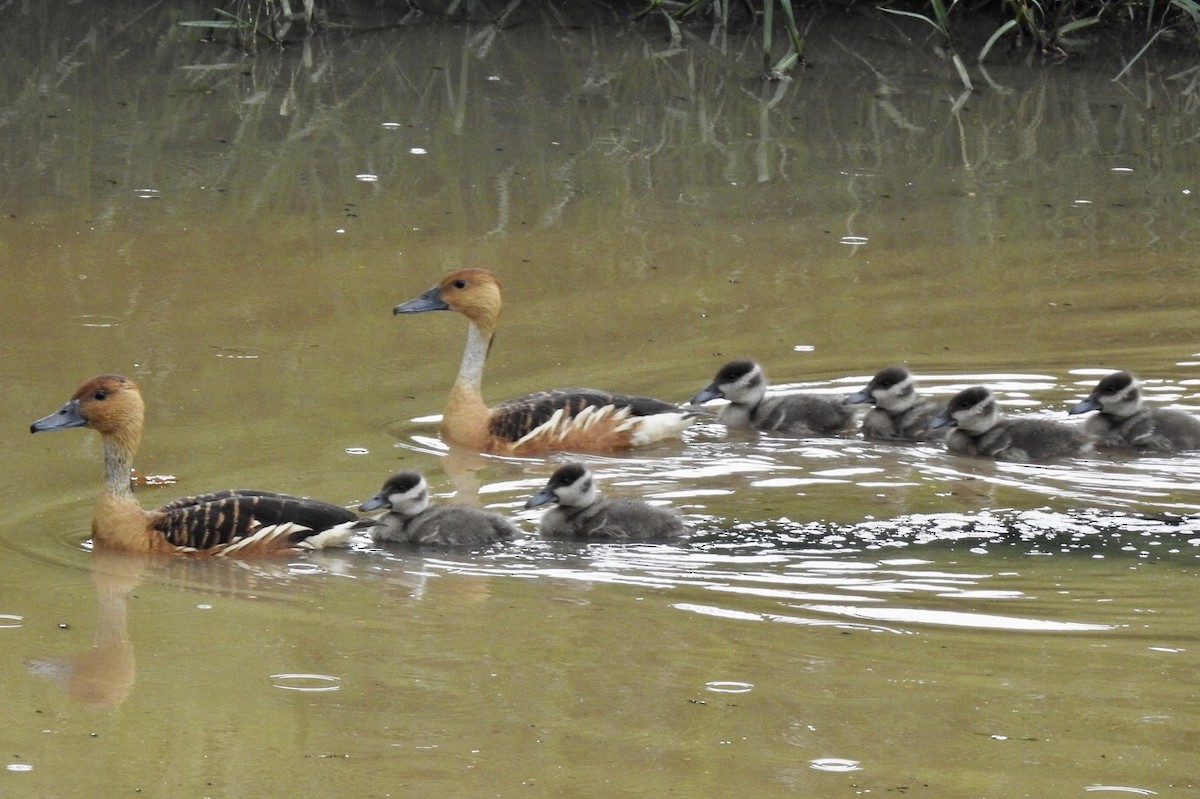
pixel 234 522
pixel 577 419
pixel 581 513
pixel 410 519
pixel 744 384
pixel 982 430
pixel 1125 421
pixel 900 413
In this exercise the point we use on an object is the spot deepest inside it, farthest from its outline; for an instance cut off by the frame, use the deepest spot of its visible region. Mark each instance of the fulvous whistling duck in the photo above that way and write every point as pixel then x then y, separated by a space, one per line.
pixel 900 414
pixel 412 520
pixel 982 430
pixel 577 419
pixel 580 512
pixel 1124 421
pixel 744 384
pixel 235 522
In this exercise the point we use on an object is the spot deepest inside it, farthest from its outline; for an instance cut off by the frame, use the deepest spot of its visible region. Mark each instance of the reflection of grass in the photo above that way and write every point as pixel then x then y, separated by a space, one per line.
pixel 1049 26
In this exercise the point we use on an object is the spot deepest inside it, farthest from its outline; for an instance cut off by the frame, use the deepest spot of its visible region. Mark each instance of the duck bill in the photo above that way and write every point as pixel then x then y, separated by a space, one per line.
pixel 429 301
pixel 1085 406
pixel 64 418
pixel 374 503
pixel 706 394
pixel 859 397
pixel 540 498
pixel 943 419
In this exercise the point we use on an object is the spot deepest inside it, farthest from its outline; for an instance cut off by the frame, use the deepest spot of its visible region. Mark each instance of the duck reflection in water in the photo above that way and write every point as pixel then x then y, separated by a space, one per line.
pixel 102 676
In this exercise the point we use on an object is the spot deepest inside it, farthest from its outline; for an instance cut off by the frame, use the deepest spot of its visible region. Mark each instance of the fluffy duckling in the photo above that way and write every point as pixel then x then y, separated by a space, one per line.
pixel 412 520
pixel 981 430
pixel 1124 421
pixel 578 419
pixel 235 522
pixel 900 413
pixel 744 384
pixel 582 513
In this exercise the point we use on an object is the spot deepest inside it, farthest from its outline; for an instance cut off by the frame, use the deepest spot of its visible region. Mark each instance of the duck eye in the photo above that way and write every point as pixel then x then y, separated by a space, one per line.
pixel 102 394
pixel 460 284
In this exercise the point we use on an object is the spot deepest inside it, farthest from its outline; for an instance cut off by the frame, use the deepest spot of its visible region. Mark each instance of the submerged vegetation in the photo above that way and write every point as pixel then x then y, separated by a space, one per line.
pixel 962 31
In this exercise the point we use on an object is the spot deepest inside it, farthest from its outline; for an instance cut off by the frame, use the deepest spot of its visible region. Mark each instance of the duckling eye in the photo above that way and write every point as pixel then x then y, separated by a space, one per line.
pixel 460 284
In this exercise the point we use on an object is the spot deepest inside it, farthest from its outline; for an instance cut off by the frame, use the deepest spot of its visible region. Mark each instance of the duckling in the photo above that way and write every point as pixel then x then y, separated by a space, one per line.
pixel 578 419
pixel 234 522
pixel 744 384
pixel 411 520
pixel 581 512
pixel 900 414
pixel 983 431
pixel 1124 421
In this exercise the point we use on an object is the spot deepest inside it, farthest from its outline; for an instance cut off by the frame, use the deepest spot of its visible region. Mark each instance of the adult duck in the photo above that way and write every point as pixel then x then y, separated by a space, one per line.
pixel 575 419
pixel 235 522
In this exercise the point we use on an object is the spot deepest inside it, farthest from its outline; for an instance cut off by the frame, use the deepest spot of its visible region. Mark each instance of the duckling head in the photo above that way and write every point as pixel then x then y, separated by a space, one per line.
pixel 742 382
pixel 109 404
pixel 475 293
pixel 571 485
pixel 892 389
pixel 405 493
pixel 1118 395
pixel 972 409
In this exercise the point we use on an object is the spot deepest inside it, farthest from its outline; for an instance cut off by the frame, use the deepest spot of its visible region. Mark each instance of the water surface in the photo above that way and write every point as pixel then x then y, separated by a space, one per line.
pixel 848 617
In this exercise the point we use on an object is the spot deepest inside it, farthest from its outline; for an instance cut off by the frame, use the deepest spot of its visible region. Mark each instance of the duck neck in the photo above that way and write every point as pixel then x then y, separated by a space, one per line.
pixel 466 395
pixel 118 458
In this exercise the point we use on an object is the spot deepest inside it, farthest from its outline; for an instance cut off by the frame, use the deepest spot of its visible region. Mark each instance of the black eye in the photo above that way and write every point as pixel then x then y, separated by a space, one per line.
pixel 460 284
pixel 101 394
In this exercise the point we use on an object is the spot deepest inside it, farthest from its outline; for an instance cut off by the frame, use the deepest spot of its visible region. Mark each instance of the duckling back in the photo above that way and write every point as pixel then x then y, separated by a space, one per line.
pixel 1022 440
pixel 1149 430
pixel 801 415
pixel 445 526
pixel 612 520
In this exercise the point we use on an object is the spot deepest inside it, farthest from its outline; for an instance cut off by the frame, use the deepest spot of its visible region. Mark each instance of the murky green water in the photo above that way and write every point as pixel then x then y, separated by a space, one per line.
pixel 848 618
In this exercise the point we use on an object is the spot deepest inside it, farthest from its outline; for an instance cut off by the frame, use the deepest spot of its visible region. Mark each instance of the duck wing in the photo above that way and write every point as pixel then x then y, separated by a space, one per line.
pixel 244 519
pixel 516 418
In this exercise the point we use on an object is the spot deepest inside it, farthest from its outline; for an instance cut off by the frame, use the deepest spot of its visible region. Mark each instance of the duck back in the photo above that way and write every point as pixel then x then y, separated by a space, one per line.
pixel 612 520
pixel 445 526
pixel 801 414
pixel 1022 440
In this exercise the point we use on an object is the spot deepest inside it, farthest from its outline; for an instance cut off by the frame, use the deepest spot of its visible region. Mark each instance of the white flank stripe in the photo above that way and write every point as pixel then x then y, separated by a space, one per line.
pixel 659 426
